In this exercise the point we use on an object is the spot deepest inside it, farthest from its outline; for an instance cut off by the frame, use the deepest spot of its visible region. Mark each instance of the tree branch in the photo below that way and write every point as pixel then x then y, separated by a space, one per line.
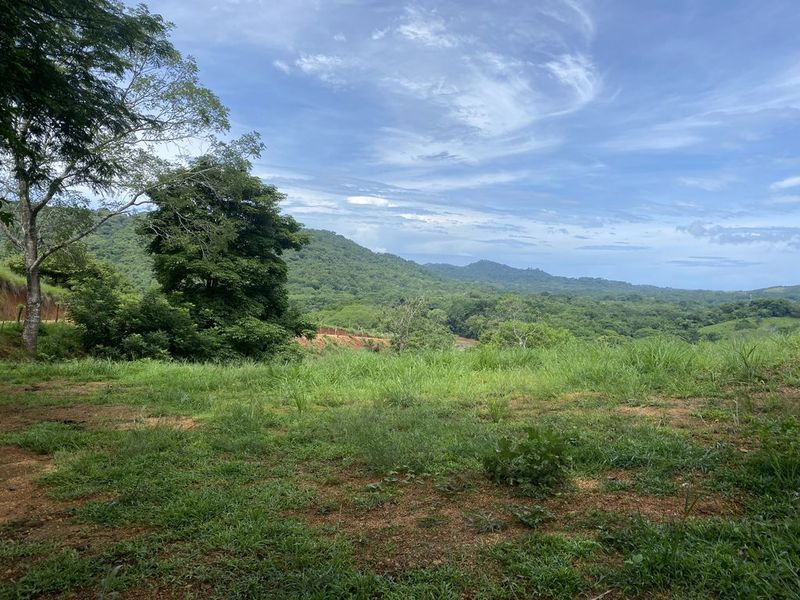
pixel 79 236
pixel 7 231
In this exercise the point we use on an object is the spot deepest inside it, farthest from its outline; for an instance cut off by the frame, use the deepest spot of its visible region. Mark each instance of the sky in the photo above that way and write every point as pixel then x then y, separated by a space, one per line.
pixel 652 142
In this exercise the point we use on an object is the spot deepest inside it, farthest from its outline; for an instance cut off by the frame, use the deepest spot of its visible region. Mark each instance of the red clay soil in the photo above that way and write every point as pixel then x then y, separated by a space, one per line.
pixel 342 338
pixel 12 295
pixel 334 336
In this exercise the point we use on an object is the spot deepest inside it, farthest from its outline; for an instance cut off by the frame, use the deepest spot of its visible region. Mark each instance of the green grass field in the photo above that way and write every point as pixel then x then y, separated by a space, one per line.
pixel 363 475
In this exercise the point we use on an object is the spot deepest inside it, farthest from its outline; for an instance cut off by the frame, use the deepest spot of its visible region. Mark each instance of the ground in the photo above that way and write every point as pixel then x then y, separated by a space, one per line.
pixel 151 480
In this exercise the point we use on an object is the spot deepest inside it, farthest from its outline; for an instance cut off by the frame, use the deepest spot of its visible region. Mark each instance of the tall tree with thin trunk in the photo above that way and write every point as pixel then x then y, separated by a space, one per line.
pixel 93 101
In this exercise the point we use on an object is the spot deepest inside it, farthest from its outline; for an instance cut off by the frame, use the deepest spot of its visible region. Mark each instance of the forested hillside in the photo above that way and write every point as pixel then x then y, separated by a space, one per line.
pixel 333 270
pixel 537 281
pixel 340 283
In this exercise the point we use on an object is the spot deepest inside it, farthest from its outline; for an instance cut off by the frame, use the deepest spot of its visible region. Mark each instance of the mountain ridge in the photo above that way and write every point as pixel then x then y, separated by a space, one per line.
pixel 333 265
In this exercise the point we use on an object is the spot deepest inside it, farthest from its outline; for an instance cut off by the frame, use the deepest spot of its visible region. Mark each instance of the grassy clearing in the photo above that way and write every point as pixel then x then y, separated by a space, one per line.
pixel 362 475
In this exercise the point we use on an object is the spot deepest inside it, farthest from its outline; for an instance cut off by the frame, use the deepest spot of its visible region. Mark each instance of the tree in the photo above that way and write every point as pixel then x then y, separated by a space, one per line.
pixel 94 97
pixel 414 326
pixel 521 334
pixel 217 237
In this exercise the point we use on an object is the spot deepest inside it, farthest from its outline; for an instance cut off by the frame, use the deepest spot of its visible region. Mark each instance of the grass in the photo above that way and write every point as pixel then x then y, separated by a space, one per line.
pixel 361 475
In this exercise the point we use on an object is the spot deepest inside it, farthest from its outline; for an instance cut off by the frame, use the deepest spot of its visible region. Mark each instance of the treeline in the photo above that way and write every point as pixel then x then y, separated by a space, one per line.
pixel 478 315
pixel 337 282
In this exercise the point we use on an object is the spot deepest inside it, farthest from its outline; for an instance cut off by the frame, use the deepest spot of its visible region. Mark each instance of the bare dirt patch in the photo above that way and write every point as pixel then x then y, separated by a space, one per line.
pixel 18 418
pixel 174 422
pixel 341 338
pixel 27 514
pixel 680 414
pixel 418 525
pixel 657 508
pixel 59 386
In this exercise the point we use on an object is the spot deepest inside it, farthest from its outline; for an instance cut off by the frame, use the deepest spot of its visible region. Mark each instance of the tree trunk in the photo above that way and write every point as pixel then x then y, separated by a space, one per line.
pixel 30 241
pixel 33 310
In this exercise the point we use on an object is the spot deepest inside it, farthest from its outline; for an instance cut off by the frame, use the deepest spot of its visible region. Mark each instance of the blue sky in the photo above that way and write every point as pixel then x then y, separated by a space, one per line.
pixel 655 142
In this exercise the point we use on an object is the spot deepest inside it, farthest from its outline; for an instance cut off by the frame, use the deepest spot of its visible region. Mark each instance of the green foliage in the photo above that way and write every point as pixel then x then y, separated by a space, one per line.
pixel 536 462
pixel 216 239
pixel 257 339
pixel 525 335
pixel 531 516
pixel 116 323
pixel 413 325
pixel 486 522
pixel 69 50
pixel 117 242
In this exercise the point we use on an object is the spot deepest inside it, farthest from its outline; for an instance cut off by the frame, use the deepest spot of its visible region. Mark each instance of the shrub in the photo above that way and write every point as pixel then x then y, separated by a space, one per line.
pixel 520 334
pixel 538 461
pixel 257 339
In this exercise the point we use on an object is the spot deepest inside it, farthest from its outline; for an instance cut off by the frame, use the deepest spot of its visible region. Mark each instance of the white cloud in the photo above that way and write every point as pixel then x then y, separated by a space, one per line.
pixel 340 37
pixel 324 66
pixel 281 66
pixel 783 184
pixel 441 184
pixel 654 139
pixel 709 184
pixel 370 201
pixel 427 28
pixel 576 71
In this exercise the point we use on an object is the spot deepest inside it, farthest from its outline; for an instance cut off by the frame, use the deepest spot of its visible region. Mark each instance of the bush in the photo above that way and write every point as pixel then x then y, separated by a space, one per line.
pixel 59 341
pixel 257 339
pixel 520 334
pixel 539 461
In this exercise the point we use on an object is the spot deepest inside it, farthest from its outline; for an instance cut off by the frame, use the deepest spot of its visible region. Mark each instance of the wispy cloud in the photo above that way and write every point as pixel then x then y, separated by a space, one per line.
pixel 714 183
pixel 578 72
pixel 744 235
pixel 281 66
pixel 427 28
pixel 713 262
pixel 463 181
pixel 326 67
pixel 370 201
pixel 783 184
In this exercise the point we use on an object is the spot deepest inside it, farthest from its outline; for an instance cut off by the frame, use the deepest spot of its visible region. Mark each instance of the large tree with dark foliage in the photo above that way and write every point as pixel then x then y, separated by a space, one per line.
pixel 90 93
pixel 217 239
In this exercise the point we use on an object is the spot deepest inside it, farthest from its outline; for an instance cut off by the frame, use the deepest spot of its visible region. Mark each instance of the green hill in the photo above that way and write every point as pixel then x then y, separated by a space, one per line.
pixel 333 270
pixel 752 327
pixel 536 281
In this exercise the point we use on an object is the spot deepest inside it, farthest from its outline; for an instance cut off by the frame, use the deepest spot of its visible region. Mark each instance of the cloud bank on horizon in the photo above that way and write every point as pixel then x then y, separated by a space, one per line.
pixel 651 142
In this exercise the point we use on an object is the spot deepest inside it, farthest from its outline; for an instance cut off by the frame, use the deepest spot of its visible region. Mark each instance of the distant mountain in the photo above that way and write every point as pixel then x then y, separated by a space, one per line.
pixel 334 270
pixel 537 281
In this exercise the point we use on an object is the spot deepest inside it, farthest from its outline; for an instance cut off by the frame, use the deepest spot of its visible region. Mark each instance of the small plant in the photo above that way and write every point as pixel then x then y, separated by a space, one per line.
pixel 301 400
pixel 431 521
pixel 453 485
pixel 530 516
pixel 108 583
pixel 486 522
pixel 536 462
pixel 327 507
pixel 497 409
pixel 690 498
